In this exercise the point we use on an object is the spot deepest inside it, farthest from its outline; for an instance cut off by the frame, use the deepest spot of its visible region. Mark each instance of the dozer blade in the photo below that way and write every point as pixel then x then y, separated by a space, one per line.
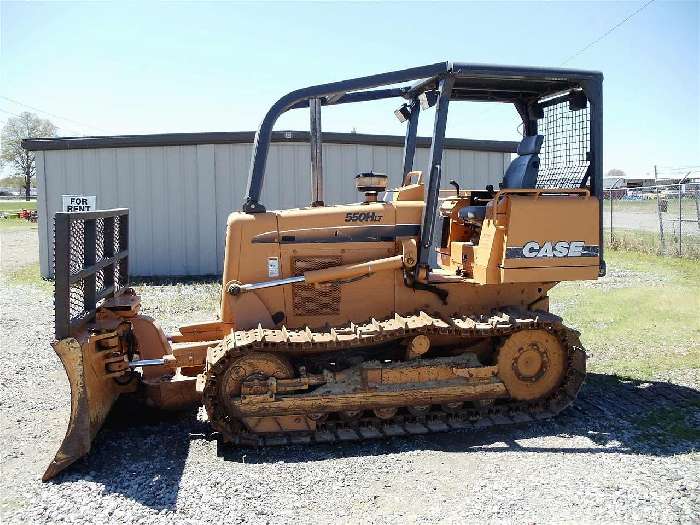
pixel 93 392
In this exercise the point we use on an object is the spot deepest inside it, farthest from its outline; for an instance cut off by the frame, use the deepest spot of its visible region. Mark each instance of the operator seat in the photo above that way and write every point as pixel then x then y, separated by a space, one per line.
pixel 521 174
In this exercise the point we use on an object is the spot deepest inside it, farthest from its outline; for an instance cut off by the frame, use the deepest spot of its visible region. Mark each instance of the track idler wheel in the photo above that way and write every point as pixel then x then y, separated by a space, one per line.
pixel 256 365
pixel 531 364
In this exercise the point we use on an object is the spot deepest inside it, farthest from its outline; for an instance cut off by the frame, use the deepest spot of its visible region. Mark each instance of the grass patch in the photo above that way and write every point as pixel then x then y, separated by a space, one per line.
pixel 16 205
pixel 644 328
pixel 30 275
pixel 639 241
pixel 670 423
pixel 676 270
pixel 16 223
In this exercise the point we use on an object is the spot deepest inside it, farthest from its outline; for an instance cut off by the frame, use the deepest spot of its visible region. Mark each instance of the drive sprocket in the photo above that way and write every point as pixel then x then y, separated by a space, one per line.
pixel 531 364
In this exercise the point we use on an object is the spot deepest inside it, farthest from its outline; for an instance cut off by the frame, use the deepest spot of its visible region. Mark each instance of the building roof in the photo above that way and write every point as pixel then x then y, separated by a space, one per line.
pixel 246 137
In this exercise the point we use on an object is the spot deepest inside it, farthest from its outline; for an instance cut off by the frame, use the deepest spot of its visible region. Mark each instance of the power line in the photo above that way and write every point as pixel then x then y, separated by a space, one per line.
pixel 52 114
pixel 10 113
pixel 75 132
pixel 688 167
pixel 594 42
pixel 601 37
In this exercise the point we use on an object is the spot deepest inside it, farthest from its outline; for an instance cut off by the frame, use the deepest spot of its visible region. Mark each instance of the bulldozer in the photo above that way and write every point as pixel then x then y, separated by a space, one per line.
pixel 418 309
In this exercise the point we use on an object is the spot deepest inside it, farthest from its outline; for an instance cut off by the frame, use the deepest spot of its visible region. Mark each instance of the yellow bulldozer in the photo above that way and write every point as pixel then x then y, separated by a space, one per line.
pixel 419 309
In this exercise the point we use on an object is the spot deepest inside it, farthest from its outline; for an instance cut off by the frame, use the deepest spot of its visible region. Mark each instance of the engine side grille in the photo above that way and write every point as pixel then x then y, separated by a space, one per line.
pixel 312 300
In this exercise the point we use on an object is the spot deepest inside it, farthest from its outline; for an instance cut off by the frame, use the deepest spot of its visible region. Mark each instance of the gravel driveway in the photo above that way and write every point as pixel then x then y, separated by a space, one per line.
pixel 606 459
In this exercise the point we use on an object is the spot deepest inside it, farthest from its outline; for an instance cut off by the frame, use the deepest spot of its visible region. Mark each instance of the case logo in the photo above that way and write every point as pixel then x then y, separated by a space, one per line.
pixel 552 249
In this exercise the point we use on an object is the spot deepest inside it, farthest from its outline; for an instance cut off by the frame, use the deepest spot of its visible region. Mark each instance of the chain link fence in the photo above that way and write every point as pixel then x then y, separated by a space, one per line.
pixel 662 219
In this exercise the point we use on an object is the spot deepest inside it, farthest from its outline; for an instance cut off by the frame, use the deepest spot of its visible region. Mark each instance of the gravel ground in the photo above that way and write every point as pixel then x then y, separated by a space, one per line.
pixel 610 458
pixel 18 248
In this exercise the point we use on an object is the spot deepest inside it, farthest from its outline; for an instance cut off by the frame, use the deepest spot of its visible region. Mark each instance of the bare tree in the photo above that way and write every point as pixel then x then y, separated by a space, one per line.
pixel 20 161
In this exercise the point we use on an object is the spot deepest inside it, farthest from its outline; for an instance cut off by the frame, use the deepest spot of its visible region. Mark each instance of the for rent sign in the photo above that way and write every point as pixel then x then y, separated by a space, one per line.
pixel 79 202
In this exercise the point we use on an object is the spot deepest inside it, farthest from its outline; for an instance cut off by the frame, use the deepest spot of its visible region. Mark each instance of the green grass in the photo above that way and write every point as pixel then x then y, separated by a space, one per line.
pixel 648 243
pixel 16 205
pixel 16 223
pixel 30 275
pixel 643 328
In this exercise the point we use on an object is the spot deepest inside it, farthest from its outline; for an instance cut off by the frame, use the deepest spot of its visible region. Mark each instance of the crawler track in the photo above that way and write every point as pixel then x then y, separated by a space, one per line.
pixel 307 342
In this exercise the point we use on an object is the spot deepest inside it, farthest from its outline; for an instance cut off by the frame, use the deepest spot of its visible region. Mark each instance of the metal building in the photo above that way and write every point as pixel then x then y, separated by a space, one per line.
pixel 180 188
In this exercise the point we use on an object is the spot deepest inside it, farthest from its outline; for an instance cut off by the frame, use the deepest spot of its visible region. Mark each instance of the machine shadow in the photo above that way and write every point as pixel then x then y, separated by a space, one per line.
pixel 141 453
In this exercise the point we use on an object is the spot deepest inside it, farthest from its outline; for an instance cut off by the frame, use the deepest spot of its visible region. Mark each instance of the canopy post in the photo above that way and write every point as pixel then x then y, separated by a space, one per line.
pixel 409 146
pixel 316 152
pixel 435 168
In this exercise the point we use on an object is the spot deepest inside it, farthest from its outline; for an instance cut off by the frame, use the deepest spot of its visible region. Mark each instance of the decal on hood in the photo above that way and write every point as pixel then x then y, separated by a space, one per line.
pixel 552 249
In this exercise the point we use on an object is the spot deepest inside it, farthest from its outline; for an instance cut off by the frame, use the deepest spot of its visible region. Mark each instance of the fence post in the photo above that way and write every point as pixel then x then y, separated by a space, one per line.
pixel 612 238
pixel 697 204
pixel 680 220
pixel 658 207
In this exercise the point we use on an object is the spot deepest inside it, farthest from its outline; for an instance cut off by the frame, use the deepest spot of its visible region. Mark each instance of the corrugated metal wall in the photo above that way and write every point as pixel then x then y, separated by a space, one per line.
pixel 180 196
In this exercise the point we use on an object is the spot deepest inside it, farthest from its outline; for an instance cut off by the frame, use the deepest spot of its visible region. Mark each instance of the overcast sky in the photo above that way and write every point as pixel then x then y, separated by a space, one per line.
pixel 132 68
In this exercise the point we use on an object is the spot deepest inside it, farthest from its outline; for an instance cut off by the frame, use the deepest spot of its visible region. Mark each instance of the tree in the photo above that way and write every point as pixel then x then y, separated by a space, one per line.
pixel 20 161
pixel 615 174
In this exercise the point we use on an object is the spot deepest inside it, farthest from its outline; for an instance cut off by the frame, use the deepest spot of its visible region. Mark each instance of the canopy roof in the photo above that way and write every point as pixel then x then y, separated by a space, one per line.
pixel 486 82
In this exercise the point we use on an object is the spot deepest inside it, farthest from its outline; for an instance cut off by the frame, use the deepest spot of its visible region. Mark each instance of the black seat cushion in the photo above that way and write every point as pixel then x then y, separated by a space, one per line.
pixel 522 172
pixel 530 145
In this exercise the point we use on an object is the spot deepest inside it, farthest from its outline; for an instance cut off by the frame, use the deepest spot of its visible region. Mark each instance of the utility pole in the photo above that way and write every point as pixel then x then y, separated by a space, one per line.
pixel 658 207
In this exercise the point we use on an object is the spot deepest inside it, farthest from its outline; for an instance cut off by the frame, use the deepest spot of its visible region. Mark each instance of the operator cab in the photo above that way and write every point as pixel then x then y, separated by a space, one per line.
pixel 537 199
pixel 464 214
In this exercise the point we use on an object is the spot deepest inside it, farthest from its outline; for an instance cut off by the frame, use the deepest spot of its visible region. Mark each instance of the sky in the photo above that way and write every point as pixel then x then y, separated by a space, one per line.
pixel 134 68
